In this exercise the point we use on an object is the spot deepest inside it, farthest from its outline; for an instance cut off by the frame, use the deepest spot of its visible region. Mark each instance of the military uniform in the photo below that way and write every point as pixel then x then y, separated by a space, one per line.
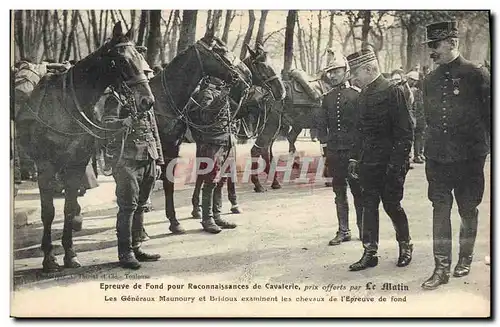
pixel 457 104
pixel 382 148
pixel 134 171
pixel 210 126
pixel 336 125
pixel 418 110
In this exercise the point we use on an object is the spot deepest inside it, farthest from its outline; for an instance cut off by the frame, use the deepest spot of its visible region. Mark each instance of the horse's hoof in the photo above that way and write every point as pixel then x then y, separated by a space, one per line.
pixel 71 262
pixel 259 189
pixel 77 223
pixel 276 186
pixel 50 264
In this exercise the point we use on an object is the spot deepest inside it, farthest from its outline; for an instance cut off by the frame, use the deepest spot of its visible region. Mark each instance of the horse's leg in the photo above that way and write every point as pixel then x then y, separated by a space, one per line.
pixel 231 195
pixel 276 184
pixel 195 199
pixel 168 189
pixel 292 138
pixel 255 153
pixel 46 173
pixel 72 219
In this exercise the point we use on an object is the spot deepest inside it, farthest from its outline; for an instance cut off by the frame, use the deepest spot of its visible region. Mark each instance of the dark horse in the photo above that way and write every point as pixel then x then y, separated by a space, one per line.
pixel 267 88
pixel 56 127
pixel 173 88
pixel 288 117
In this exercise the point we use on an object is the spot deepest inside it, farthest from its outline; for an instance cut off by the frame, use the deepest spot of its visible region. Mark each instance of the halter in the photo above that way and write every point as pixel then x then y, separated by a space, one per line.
pixel 263 82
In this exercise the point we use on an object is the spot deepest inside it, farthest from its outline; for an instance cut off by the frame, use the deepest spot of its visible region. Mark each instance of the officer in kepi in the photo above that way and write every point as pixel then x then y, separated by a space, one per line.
pixel 136 166
pixel 380 156
pixel 336 123
pixel 457 106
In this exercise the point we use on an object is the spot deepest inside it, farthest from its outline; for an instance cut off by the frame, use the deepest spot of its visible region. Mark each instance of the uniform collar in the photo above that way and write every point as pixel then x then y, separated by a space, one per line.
pixel 452 64
pixel 373 86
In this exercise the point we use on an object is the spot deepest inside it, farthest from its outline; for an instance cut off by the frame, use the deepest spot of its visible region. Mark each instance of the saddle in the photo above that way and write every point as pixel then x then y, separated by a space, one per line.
pixel 303 90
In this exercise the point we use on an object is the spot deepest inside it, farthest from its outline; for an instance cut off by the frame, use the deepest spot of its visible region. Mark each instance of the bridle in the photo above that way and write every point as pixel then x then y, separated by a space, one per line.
pixel 263 82
pixel 124 87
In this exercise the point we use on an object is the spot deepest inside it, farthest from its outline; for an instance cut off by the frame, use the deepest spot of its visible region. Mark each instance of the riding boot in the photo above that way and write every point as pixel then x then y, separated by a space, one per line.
pixel 468 232
pixel 441 273
pixel 124 233
pixel 139 254
pixel 343 234
pixel 217 206
pixel 405 254
pixel 368 260
pixel 208 222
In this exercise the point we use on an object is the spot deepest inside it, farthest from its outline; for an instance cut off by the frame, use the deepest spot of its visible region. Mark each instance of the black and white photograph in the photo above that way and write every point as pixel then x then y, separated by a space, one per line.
pixel 214 163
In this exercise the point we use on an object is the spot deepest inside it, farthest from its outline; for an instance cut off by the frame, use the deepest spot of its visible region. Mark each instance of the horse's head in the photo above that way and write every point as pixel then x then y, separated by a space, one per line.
pixel 264 74
pixel 124 67
pixel 216 60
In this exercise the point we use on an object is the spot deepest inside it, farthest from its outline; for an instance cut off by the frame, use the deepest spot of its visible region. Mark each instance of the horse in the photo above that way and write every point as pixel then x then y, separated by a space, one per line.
pixel 173 87
pixel 57 129
pixel 267 88
pixel 287 117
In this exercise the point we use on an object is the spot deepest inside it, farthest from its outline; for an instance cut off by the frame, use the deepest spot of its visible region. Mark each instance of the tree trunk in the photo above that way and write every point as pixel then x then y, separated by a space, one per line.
pixel 217 14
pixel 402 46
pixel 311 49
pixel 365 29
pixel 248 35
pixel 172 44
pixel 142 27
pixel 105 31
pixel 208 23
pixel 188 30
pixel 132 20
pixel 93 22
pixel 302 55
pixel 55 48
pixel 165 38
pixel 330 35
pixel 87 38
pixel 46 35
pixel 227 25
pixel 123 19
pixel 153 37
pixel 18 19
pixel 318 42
pixel 468 43
pixel 288 51
pixel 262 27
pixel 64 36
pixel 410 43
pixel 74 20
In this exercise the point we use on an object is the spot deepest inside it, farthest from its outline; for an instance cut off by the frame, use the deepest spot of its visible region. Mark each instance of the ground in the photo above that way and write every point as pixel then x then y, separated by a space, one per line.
pixel 281 238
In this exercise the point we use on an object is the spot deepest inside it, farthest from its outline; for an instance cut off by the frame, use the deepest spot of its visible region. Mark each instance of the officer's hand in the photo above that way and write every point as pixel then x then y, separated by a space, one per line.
pixel 158 172
pixel 127 122
pixel 353 169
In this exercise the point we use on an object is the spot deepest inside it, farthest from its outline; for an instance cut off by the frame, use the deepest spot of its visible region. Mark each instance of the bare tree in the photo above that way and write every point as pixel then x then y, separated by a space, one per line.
pixel 262 26
pixel 71 36
pixel 188 30
pixel 64 36
pixel 227 25
pixel 248 35
pixel 288 51
pixel 318 42
pixel 330 33
pixel 154 37
pixel 142 27
pixel 302 55
pixel 216 17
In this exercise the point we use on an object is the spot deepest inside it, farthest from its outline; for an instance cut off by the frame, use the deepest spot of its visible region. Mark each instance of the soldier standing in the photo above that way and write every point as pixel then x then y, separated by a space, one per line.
pixel 211 129
pixel 336 123
pixel 381 154
pixel 135 170
pixel 418 111
pixel 457 104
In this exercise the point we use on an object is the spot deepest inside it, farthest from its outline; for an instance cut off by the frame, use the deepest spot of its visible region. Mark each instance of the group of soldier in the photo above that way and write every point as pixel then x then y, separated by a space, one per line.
pixel 367 129
pixel 366 125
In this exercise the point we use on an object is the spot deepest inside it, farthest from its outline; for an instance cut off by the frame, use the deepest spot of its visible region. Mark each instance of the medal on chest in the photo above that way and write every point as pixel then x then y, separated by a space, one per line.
pixel 456 84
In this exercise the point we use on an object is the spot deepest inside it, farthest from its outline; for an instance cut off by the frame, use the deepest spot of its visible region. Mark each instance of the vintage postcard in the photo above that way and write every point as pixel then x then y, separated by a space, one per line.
pixel 250 163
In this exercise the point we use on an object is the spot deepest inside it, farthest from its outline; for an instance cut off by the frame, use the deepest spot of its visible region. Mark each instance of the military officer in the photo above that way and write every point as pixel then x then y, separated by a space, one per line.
pixel 457 105
pixel 381 154
pixel 211 129
pixel 336 123
pixel 135 170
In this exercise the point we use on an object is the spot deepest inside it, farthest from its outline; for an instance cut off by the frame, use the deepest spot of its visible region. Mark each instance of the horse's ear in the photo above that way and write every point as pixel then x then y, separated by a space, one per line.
pixel 210 32
pixel 117 30
pixel 130 34
pixel 252 53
